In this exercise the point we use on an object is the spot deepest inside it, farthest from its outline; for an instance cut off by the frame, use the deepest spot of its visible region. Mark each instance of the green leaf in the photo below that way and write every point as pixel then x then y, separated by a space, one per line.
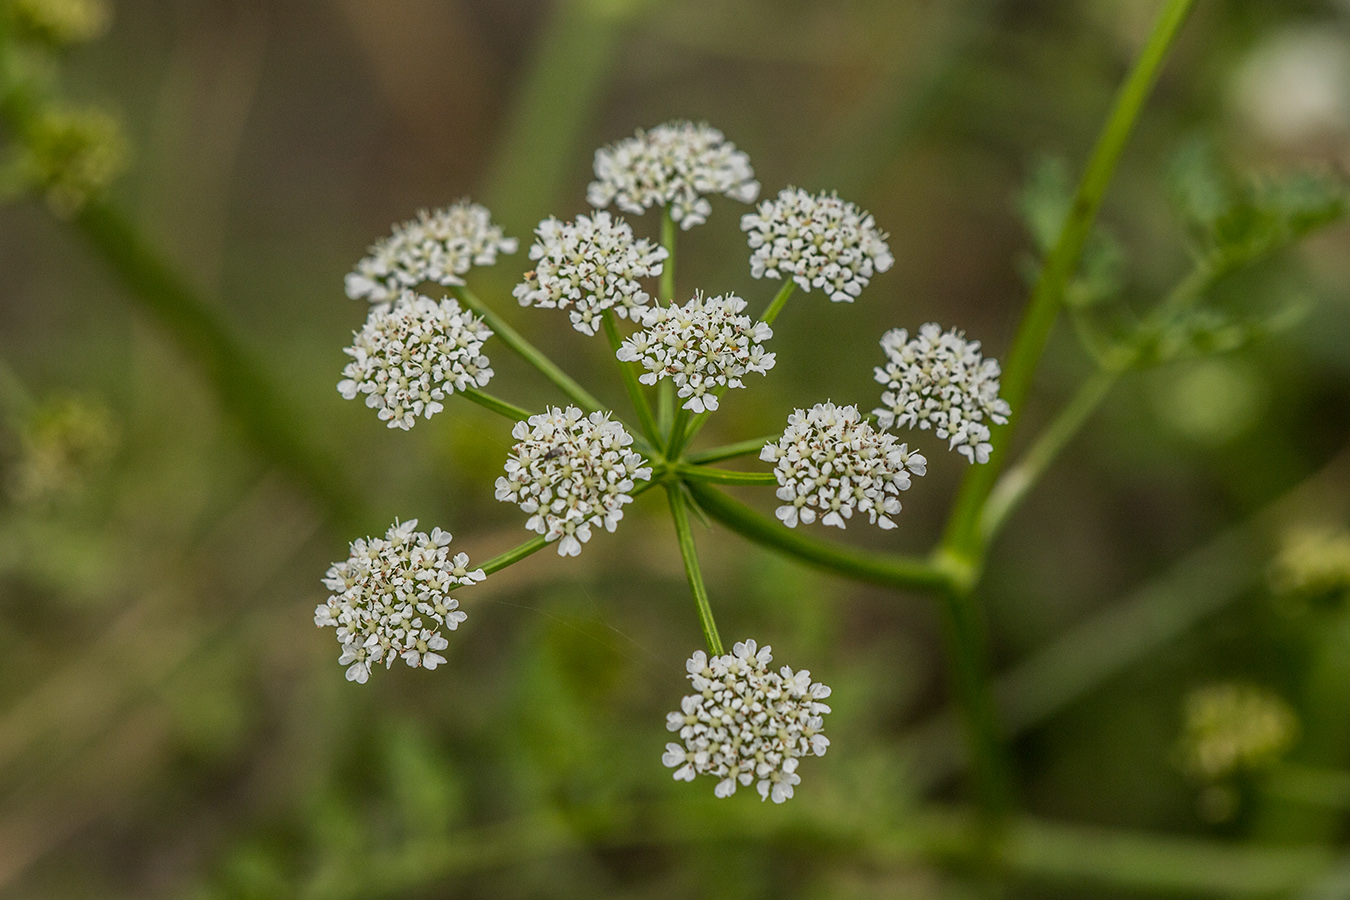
pixel 1043 205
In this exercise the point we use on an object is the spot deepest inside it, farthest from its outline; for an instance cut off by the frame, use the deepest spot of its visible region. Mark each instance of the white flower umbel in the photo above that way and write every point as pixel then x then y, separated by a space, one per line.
pixel 439 246
pixel 392 597
pixel 570 471
pixel 746 723
pixel 939 380
pixel 831 462
pixel 678 164
pixel 702 346
pixel 409 357
pixel 819 241
pixel 588 266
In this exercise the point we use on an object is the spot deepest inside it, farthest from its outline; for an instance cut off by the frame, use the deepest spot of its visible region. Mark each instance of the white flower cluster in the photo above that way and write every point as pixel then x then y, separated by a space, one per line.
pixel 588 266
pixel 391 598
pixel 745 723
pixel 570 471
pixel 438 246
pixel 701 346
pixel 817 241
pixel 939 380
pixel 676 164
pixel 409 357
pixel 830 462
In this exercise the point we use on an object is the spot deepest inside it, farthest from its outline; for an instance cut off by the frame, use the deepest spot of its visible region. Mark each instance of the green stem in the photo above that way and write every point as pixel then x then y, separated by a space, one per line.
pixel 971 684
pixel 730 451
pixel 724 476
pixel 630 381
pixel 1019 479
pixel 962 534
pixel 528 352
pixel 685 535
pixel 889 569
pixel 514 555
pixel 678 431
pixel 487 401
pixel 779 301
pixel 665 389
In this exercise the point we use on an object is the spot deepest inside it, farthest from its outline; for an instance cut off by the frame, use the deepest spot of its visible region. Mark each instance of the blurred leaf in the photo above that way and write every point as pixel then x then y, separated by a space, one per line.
pixel 1205 331
pixel 1236 223
pixel 1044 205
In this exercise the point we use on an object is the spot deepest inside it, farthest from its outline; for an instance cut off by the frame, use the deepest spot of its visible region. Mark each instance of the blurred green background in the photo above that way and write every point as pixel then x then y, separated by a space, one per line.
pixel 171 722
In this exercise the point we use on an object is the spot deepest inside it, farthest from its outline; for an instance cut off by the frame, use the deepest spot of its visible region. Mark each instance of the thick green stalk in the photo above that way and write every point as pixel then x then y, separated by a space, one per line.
pixel 890 569
pixel 779 301
pixel 487 401
pixel 528 352
pixel 630 381
pixel 724 476
pixel 685 535
pixel 972 686
pixel 730 451
pixel 962 535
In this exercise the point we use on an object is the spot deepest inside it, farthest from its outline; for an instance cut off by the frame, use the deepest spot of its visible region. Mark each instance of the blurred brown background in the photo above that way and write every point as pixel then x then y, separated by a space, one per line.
pixel 172 724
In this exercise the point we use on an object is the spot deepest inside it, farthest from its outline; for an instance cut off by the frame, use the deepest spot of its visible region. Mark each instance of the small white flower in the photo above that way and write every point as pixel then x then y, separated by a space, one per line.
pixel 391 598
pixel 831 462
pixel 817 241
pixel 411 356
pixel 588 266
pixel 439 246
pixel 570 471
pixel 746 724
pixel 677 164
pixel 939 380
pixel 702 346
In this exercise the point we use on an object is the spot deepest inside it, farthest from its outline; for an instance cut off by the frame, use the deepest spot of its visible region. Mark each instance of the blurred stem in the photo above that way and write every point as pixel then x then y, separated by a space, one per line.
pixel 685 535
pixel 962 538
pixel 246 391
pixel 668 236
pixel 630 381
pixel 1067 669
pixel 1325 740
pixel 514 555
pixel 971 680
pixel 730 451
pixel 547 125
pixel 665 389
pixel 1037 852
pixel 528 352
pixel 779 301
pixel 487 401
pixel 890 569
pixel 679 435
pixel 1019 479
pixel 724 476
